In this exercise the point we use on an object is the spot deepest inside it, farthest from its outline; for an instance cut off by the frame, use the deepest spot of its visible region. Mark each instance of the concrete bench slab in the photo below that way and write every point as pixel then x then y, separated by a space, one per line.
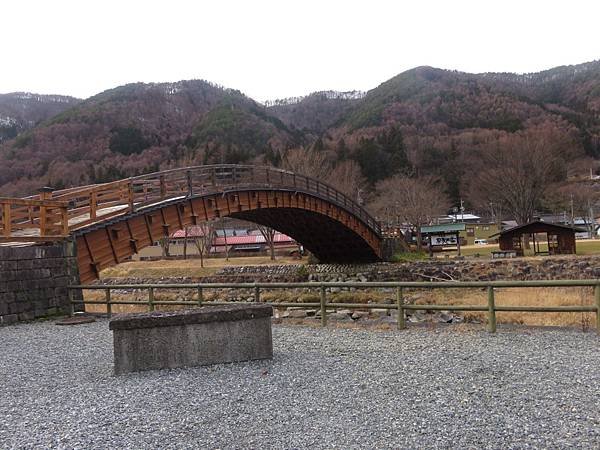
pixel 195 337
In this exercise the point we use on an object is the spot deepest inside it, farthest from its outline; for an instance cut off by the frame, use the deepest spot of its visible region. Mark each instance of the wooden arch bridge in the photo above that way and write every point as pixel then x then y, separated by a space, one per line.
pixel 112 221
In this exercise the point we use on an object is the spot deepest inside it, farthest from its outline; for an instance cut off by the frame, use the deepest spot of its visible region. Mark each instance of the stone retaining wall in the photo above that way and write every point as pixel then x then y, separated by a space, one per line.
pixel 34 279
pixel 549 268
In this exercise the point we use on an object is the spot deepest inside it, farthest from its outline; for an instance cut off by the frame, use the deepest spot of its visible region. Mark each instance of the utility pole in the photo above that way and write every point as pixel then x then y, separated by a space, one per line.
pixel 572 212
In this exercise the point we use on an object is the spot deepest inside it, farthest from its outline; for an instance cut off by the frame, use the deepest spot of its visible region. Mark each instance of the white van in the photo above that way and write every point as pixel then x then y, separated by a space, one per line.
pixel 481 241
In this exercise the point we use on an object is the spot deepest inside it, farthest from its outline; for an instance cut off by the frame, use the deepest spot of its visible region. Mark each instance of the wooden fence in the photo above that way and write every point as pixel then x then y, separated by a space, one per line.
pixel 52 214
pixel 400 287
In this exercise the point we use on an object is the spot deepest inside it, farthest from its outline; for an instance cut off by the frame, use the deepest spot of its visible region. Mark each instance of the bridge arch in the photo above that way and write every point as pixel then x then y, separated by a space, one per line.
pixel 112 221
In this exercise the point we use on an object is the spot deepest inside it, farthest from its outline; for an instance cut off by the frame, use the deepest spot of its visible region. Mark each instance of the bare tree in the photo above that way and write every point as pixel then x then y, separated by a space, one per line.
pixel 348 178
pixel 269 235
pixel 579 200
pixel 309 162
pixel 204 239
pixel 185 242
pixel 517 172
pixel 225 238
pixel 165 244
pixel 414 201
pixel 345 176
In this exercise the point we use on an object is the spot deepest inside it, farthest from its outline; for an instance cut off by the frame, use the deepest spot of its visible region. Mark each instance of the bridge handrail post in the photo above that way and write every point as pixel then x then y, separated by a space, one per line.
pixel 190 184
pixel 597 298
pixel 6 219
pixel 163 186
pixel 130 199
pixel 323 307
pixel 93 204
pixel 64 219
pixel 400 303
pixel 491 309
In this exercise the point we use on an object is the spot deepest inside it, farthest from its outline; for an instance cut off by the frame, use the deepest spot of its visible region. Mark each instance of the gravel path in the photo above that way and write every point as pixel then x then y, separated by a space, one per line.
pixel 332 388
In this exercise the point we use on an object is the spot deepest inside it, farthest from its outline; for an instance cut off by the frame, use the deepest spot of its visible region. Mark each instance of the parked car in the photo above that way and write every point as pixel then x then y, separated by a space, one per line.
pixel 481 242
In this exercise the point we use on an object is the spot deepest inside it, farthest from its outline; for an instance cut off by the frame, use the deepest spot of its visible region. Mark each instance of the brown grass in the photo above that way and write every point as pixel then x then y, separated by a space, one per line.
pixel 519 297
pixel 504 297
pixel 186 268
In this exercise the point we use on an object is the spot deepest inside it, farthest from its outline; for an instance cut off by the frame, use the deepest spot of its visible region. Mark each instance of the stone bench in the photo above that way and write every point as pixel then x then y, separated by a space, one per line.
pixel 195 337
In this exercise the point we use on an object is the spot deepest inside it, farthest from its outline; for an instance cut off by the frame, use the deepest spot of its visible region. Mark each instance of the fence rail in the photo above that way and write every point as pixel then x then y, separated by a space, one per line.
pixel 83 206
pixel 401 307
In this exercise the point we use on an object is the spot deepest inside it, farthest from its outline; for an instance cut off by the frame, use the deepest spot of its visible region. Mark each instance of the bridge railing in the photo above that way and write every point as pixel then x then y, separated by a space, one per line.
pixel 88 204
pixel 25 220
pixel 323 305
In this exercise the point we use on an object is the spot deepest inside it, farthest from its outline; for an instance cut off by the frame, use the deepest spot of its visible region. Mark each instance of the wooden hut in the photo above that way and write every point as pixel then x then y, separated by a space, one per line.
pixel 559 238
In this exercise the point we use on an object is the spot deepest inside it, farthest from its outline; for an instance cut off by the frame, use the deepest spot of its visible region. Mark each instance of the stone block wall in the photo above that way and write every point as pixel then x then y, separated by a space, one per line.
pixel 34 279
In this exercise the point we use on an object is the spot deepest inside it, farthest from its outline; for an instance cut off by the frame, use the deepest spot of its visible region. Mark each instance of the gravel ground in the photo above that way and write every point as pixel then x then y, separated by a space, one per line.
pixel 325 388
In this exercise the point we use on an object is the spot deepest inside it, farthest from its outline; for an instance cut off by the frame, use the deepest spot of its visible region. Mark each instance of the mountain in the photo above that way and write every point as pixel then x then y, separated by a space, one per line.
pixel 21 111
pixel 425 120
pixel 138 128
pixel 315 112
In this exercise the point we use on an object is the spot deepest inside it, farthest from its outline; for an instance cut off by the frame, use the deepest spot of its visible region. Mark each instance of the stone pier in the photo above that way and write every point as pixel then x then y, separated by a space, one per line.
pixel 34 280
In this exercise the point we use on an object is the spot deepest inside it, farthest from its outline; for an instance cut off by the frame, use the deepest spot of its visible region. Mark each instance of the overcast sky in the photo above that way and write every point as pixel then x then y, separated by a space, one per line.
pixel 275 49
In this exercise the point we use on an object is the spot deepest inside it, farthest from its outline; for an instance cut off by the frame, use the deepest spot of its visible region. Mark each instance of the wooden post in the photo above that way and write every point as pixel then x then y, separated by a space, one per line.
pixel 200 297
pixel 130 200
pixel 93 204
pixel 597 298
pixel 45 194
pixel 163 187
pixel 458 242
pixel 400 303
pixel 323 308
pixel 150 299
pixel 64 220
pixel 6 220
pixel 190 185
pixel 491 310
pixel 256 294
pixel 108 305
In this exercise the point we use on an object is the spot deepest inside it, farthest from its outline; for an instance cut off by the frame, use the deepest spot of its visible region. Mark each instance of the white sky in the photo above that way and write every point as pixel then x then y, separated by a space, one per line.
pixel 275 49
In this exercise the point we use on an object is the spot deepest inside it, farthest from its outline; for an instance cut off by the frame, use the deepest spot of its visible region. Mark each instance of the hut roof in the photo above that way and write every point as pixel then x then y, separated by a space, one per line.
pixel 536 224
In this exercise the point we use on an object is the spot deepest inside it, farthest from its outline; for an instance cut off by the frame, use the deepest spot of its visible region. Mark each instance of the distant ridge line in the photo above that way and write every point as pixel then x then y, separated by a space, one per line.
pixel 330 95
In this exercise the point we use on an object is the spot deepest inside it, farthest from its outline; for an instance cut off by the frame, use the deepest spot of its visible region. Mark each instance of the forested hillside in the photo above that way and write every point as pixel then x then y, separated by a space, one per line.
pixel 140 128
pixel 20 111
pixel 423 122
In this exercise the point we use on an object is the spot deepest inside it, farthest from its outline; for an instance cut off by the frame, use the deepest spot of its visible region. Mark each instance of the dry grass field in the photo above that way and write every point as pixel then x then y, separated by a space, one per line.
pixel 187 268
pixel 504 297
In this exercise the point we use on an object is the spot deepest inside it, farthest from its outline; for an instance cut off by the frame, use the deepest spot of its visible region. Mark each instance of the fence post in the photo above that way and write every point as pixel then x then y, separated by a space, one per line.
pixel 597 297
pixel 150 299
pixel 491 310
pixel 256 294
pixel 323 309
pixel 200 297
pixel 400 303
pixel 108 305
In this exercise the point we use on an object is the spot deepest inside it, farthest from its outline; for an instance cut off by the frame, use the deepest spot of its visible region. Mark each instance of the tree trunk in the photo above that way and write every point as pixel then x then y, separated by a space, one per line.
pixel 419 237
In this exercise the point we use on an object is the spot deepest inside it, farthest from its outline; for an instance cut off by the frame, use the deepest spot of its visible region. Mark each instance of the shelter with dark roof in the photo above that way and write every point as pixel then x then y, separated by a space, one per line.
pixel 559 238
